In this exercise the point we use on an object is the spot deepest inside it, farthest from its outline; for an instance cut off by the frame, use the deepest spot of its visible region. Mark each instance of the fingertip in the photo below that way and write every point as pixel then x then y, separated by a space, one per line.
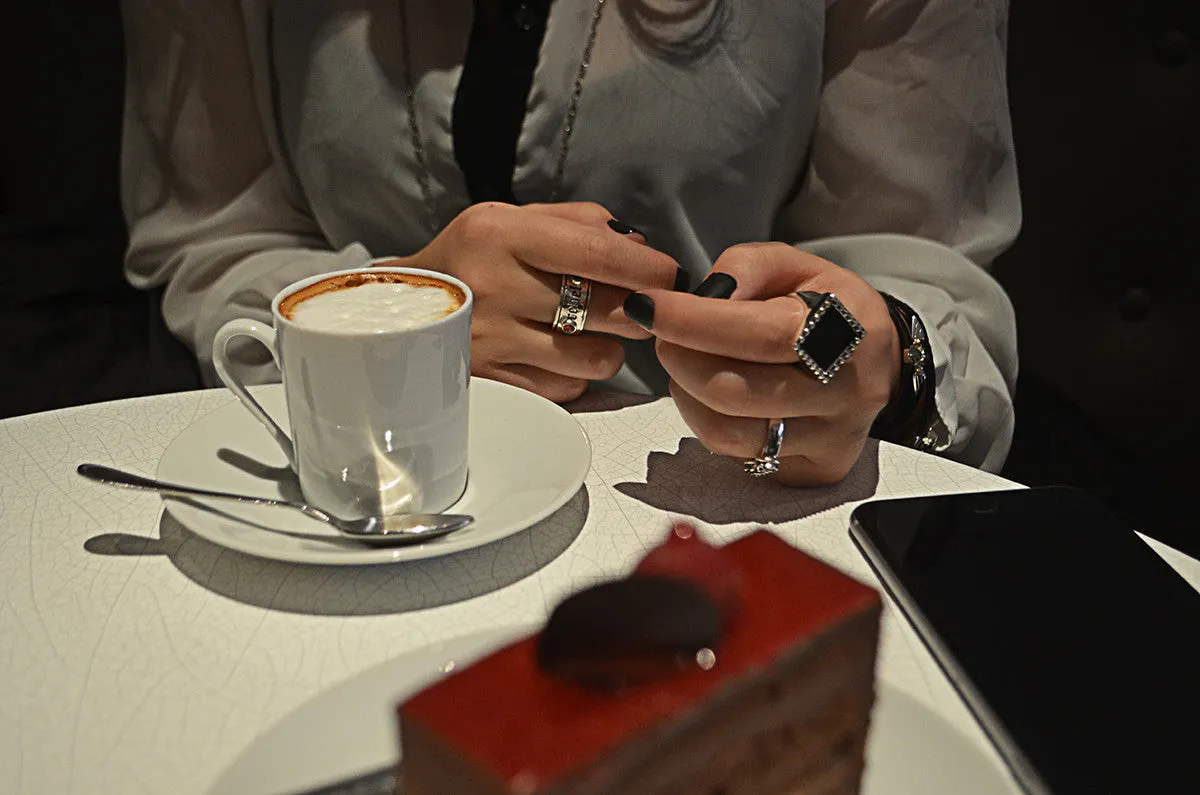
pixel 639 308
pixel 625 229
pixel 716 285
pixel 683 281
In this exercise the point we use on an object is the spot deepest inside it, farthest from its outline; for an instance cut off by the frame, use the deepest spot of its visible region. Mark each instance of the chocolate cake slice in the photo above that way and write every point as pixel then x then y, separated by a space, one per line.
pixel 745 670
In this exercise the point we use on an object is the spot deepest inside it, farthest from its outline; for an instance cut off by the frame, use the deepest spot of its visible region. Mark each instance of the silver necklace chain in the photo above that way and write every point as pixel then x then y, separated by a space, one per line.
pixel 424 175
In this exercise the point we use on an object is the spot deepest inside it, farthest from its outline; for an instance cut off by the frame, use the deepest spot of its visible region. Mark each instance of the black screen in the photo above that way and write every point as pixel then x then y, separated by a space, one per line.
pixel 1081 640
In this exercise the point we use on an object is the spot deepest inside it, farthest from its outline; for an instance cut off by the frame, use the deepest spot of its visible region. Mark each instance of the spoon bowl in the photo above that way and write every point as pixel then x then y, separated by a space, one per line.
pixel 383 531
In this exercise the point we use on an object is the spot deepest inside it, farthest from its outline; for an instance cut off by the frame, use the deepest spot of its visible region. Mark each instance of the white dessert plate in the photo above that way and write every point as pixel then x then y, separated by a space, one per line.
pixel 350 729
pixel 527 458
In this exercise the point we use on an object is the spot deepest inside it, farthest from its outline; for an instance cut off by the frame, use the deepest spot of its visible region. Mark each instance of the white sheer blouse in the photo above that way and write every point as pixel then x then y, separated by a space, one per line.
pixel 269 141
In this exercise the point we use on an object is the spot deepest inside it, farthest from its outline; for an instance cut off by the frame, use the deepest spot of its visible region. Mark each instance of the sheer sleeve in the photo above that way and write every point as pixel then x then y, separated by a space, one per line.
pixel 911 182
pixel 210 211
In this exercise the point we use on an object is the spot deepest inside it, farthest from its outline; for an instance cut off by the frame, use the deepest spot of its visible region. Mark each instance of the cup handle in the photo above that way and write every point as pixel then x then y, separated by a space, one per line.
pixel 244 327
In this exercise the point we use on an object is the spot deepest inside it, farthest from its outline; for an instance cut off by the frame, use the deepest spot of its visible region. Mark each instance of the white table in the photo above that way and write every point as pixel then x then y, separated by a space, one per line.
pixel 137 657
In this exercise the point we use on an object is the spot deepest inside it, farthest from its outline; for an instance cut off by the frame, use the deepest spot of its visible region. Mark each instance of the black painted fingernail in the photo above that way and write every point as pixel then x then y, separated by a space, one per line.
pixel 640 309
pixel 623 229
pixel 683 281
pixel 717 285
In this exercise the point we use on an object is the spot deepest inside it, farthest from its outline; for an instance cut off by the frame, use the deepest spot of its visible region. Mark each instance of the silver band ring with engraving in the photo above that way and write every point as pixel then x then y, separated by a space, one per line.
pixel 573 298
pixel 768 462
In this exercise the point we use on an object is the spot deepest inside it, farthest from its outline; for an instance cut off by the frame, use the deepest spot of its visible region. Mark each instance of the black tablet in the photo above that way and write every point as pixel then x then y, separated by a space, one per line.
pixel 1075 645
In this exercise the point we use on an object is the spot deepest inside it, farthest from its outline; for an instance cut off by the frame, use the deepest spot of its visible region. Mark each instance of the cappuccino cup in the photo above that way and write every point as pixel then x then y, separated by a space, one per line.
pixel 376 364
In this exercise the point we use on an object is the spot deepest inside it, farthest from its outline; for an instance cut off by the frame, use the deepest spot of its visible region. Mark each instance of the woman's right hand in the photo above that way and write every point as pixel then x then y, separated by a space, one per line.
pixel 513 258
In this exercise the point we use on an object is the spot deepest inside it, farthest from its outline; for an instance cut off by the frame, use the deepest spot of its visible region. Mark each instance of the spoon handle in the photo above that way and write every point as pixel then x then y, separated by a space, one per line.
pixel 115 477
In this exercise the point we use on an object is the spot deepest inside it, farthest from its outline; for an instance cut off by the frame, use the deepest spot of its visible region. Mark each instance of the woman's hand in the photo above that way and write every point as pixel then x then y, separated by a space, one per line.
pixel 513 259
pixel 733 364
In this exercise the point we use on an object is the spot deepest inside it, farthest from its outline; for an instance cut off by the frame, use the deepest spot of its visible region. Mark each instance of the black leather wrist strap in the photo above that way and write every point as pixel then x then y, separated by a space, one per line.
pixel 908 416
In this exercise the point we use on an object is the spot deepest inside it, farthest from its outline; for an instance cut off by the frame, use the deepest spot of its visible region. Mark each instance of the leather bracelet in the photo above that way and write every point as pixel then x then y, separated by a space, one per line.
pixel 908 417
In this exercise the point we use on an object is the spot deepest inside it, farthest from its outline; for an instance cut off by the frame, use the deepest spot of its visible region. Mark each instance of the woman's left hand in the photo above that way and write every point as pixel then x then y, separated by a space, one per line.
pixel 734 367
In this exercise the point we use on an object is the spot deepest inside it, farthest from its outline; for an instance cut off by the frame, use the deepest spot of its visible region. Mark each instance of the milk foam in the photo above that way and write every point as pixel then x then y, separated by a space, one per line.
pixel 374 307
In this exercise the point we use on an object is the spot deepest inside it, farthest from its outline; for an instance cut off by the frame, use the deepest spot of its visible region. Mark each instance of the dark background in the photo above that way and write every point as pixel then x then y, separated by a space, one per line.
pixel 71 330
pixel 1105 276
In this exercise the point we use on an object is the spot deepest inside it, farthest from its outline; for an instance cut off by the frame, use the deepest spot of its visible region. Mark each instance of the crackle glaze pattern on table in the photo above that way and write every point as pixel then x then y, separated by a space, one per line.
pixel 137 657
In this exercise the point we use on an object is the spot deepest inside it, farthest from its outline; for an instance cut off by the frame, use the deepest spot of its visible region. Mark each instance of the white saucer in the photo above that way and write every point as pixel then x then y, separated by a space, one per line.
pixel 350 729
pixel 527 458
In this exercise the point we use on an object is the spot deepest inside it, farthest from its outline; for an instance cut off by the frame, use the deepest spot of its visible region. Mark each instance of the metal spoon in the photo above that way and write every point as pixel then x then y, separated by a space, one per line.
pixel 394 530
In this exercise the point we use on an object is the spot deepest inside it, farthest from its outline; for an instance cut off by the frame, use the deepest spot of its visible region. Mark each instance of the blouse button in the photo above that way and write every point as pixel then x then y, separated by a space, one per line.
pixel 525 17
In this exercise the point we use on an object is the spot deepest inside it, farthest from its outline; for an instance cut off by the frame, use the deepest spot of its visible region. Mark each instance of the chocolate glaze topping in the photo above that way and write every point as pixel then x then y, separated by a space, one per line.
pixel 687 556
pixel 630 631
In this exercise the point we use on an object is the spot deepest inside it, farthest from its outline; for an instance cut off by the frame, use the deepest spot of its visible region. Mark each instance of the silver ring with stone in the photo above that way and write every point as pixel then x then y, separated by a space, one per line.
pixel 768 462
pixel 830 334
pixel 573 298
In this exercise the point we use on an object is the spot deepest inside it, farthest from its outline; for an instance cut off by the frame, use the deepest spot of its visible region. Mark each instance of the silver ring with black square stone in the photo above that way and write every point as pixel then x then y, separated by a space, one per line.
pixel 829 336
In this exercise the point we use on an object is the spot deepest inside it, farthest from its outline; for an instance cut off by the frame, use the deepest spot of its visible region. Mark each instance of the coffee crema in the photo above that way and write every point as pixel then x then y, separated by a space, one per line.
pixel 372 302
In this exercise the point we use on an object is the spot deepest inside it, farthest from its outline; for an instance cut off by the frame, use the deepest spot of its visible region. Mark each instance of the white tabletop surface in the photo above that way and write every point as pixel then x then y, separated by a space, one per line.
pixel 135 657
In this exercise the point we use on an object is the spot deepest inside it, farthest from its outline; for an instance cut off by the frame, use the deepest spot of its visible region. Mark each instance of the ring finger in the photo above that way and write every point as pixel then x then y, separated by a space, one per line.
pixel 604 307
pixel 589 356
pixel 739 388
pixel 813 449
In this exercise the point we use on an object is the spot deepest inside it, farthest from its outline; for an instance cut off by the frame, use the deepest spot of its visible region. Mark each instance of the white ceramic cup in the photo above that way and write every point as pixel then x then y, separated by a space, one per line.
pixel 378 420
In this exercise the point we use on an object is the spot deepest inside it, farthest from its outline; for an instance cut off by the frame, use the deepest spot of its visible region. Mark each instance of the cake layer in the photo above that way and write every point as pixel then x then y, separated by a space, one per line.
pixel 820 755
pixel 805 637
pixel 770 733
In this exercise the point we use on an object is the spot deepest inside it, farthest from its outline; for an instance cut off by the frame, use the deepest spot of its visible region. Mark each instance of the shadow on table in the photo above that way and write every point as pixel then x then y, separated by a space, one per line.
pixel 714 488
pixel 283 477
pixel 596 401
pixel 356 590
